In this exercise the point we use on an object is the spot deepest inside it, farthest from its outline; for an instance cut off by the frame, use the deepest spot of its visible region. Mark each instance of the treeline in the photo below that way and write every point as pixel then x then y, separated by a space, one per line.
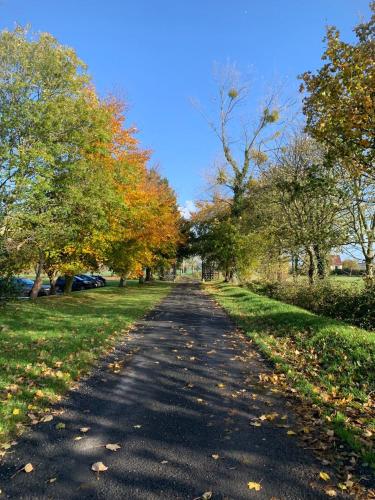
pixel 288 199
pixel 75 189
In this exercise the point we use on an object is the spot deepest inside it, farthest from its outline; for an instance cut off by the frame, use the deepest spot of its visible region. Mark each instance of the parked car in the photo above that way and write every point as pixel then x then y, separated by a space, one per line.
pixel 78 284
pixel 91 279
pixel 24 285
pixel 102 281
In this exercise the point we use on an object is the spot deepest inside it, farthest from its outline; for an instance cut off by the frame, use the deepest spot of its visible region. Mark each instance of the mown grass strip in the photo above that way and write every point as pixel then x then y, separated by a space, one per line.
pixel 329 362
pixel 47 344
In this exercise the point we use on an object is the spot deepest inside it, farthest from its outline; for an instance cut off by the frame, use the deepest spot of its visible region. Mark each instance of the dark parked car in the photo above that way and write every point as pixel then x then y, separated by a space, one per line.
pixel 23 287
pixel 78 284
pixel 102 281
pixel 91 279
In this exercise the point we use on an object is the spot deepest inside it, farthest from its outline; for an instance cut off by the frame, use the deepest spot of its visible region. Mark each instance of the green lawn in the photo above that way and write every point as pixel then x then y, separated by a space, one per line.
pixel 47 344
pixel 329 362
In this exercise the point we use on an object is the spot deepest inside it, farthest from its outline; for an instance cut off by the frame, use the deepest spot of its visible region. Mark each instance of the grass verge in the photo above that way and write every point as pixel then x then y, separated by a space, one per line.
pixel 330 363
pixel 47 344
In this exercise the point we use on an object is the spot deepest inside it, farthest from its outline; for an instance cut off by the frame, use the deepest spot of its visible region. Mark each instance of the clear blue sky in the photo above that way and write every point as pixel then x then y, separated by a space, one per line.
pixel 159 53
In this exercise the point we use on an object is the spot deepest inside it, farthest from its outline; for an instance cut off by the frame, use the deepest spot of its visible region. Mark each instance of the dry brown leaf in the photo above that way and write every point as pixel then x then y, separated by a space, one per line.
pixel 113 446
pixel 207 495
pixel 47 418
pixel 330 492
pixel 99 467
pixel 28 468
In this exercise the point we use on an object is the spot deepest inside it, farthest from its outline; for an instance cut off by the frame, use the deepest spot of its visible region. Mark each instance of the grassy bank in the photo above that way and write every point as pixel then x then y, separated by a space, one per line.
pixel 47 344
pixel 329 362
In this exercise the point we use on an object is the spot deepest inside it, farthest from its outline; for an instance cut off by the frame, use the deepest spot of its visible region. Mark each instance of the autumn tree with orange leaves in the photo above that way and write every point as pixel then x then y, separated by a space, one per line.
pixel 143 215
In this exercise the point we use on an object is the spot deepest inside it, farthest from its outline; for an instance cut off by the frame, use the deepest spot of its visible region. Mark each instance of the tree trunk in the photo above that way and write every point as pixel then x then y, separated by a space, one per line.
pixel 370 275
pixel 68 283
pixel 294 267
pixel 321 263
pixel 312 268
pixel 122 281
pixel 148 274
pixel 38 279
pixel 52 275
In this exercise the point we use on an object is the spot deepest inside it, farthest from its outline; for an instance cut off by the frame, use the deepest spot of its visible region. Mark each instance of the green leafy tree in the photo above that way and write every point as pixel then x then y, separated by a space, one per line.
pixel 50 126
pixel 340 111
pixel 303 204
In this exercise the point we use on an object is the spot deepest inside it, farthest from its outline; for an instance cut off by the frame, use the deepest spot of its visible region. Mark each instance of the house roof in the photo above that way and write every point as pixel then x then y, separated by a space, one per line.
pixel 335 260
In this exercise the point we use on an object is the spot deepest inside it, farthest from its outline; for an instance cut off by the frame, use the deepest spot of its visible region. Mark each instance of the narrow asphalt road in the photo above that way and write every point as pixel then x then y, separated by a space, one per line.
pixel 188 389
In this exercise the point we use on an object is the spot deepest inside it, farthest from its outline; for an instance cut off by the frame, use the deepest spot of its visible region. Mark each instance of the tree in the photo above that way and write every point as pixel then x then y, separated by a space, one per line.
pixel 50 124
pixel 244 146
pixel 340 111
pixel 143 219
pixel 340 101
pixel 304 205
pixel 350 265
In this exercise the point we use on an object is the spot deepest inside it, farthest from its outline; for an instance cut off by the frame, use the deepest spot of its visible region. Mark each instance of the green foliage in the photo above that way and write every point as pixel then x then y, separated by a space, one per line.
pixel 339 105
pixel 50 124
pixel 353 304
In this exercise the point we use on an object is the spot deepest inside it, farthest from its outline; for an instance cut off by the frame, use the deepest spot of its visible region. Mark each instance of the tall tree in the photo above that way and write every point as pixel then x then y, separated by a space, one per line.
pixel 49 125
pixel 340 111
pixel 244 140
pixel 303 204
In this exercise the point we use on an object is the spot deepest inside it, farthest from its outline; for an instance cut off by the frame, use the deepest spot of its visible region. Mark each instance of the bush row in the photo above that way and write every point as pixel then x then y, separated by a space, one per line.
pixel 351 304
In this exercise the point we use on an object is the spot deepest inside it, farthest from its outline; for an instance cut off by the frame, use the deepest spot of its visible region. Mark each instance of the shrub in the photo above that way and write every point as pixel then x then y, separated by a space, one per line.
pixel 351 304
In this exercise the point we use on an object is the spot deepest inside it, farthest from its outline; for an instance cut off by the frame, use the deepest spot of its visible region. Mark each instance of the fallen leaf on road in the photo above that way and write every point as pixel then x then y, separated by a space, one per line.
pixel 28 468
pixel 330 492
pixel 324 476
pixel 215 456
pixel 47 418
pixel 137 426
pixel 78 438
pixel 256 424
pixel 207 495
pixel 52 480
pixel 113 447
pixel 254 486
pixel 164 462
pixel 60 426
pixel 99 467
pixel 221 386
pixel 291 433
pixel 84 429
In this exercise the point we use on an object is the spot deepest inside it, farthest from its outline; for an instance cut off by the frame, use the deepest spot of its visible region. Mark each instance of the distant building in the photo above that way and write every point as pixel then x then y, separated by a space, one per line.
pixel 362 265
pixel 335 262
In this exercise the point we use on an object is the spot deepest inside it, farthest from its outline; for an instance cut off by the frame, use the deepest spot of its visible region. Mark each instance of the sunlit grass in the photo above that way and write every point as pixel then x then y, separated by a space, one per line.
pixel 47 344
